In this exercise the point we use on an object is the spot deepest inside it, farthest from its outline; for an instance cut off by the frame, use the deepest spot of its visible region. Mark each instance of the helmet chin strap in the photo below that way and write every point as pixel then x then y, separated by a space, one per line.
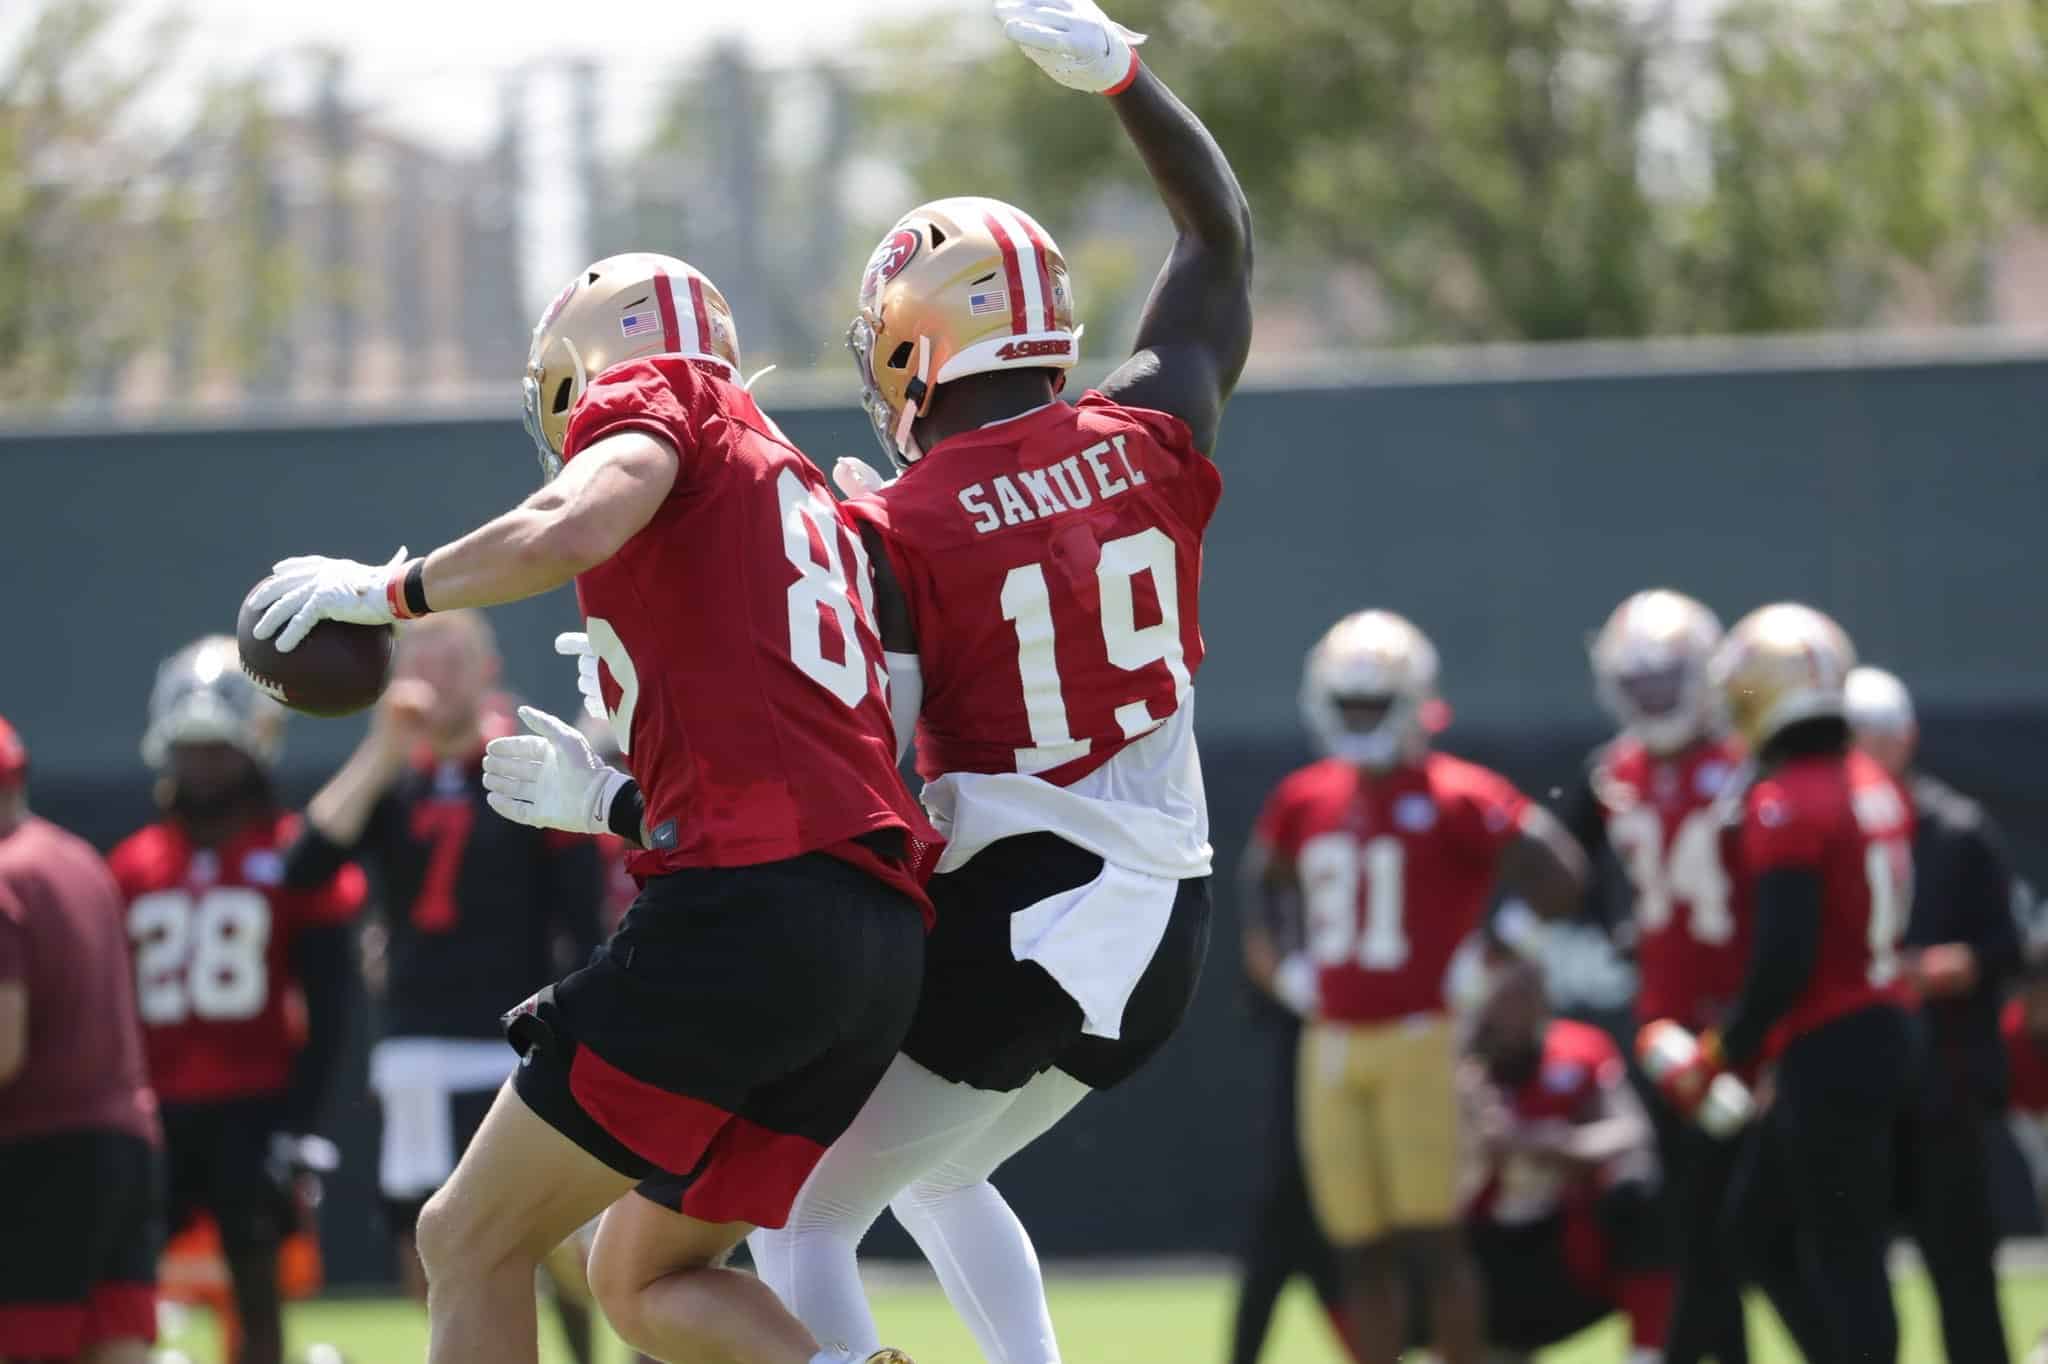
pixel 914 399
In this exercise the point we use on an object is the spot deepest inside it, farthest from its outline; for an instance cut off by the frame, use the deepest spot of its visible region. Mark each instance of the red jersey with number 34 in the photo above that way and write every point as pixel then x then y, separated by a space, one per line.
pixel 1395 872
pixel 212 932
pixel 1844 818
pixel 1053 566
pixel 1667 828
pixel 736 643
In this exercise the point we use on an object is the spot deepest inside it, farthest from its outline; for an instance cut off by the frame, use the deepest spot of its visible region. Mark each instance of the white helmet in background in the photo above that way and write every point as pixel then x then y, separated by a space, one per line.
pixel 202 695
pixel 1365 687
pixel 1650 666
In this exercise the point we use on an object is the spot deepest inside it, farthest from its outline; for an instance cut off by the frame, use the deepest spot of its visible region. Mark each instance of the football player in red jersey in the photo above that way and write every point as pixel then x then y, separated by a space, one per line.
pixel 731 1028
pixel 1653 796
pixel 1037 569
pixel 1562 1210
pixel 1826 863
pixel 1396 852
pixel 242 977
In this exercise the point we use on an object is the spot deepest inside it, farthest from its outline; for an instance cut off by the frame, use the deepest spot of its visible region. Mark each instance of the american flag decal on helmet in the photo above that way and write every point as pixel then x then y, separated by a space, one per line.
pixel 989 301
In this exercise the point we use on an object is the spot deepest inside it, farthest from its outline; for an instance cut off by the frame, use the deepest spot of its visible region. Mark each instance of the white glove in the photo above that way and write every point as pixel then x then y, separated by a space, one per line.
pixel 575 644
pixel 857 478
pixel 311 588
pixel 550 779
pixel 1072 41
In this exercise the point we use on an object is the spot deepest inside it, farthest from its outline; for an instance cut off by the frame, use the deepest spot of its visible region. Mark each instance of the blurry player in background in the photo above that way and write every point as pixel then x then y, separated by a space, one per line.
pixel 1826 863
pixel 1652 796
pixel 478 913
pixel 1396 852
pixel 1561 1210
pixel 81 1205
pixel 2023 1029
pixel 732 1027
pixel 1961 948
pixel 1037 568
pixel 242 975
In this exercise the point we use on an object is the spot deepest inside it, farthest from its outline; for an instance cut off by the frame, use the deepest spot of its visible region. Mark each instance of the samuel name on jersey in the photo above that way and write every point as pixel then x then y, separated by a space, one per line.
pixel 1061 487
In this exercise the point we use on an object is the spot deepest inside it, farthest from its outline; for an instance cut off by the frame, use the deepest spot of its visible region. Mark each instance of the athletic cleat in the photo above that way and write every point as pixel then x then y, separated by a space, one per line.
pixel 886 1356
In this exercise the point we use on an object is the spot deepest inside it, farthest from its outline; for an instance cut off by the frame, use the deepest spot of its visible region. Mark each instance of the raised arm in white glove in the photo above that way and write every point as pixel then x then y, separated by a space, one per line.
pixel 1073 41
pixel 550 778
pixel 303 591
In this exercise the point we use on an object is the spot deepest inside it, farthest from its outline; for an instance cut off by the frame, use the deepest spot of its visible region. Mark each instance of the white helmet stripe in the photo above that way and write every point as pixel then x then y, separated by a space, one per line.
pixel 1032 276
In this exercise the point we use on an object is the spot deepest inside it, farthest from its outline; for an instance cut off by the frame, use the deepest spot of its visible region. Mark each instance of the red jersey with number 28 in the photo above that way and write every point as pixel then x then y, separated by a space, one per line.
pixel 1844 818
pixel 1053 565
pixel 212 932
pixel 736 643
pixel 1665 825
pixel 1395 873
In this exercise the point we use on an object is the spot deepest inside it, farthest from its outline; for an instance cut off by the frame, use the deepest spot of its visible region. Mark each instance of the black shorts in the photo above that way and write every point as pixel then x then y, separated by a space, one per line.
pixel 218 1161
pixel 729 1031
pixel 988 1020
pixel 84 1218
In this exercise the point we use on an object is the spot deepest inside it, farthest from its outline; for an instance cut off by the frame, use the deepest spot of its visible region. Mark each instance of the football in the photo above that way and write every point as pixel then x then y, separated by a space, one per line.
pixel 338 668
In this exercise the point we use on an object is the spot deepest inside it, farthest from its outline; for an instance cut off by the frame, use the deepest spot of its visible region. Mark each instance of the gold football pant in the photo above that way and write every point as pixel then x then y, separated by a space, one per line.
pixel 1379 1126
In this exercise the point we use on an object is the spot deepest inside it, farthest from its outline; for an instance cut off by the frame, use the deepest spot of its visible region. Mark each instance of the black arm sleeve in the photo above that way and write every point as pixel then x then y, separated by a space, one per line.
pixel 1988 890
pixel 322 957
pixel 574 876
pixel 314 858
pixel 1783 953
pixel 1583 816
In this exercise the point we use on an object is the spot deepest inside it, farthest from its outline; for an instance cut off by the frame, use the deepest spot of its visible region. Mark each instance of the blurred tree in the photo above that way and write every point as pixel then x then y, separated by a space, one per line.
pixel 115 237
pixel 1547 169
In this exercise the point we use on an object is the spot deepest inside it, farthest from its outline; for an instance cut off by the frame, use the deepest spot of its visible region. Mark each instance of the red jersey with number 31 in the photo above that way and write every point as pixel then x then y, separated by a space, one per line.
pixel 1845 819
pixel 1666 827
pixel 1395 872
pixel 736 643
pixel 212 932
pixel 1053 565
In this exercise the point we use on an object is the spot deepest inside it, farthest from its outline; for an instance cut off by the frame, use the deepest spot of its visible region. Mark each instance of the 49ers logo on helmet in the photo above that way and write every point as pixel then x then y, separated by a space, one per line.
pixel 1026 350
pixel 888 261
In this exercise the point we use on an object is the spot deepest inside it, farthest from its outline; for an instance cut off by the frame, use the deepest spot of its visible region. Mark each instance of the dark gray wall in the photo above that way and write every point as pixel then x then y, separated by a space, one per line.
pixel 1505 517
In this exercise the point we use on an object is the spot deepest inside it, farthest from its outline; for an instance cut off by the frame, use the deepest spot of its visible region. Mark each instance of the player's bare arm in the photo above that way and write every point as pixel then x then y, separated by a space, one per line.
pixel 574 523
pixel 1545 866
pixel 1612 1126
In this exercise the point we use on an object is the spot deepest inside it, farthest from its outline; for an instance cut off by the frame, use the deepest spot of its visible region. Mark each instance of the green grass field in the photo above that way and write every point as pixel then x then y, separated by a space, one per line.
pixel 1170 1319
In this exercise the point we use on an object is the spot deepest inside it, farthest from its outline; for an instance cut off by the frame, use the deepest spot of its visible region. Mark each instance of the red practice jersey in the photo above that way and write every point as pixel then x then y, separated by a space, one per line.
pixel 1053 566
pixel 212 931
pixel 2026 1060
pixel 1844 818
pixel 1692 938
pixel 1395 872
pixel 735 633
pixel 1580 1065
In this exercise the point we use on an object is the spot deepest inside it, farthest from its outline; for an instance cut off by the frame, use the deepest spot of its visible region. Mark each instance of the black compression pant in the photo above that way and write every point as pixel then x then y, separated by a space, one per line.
pixel 1812 1197
pixel 1944 1184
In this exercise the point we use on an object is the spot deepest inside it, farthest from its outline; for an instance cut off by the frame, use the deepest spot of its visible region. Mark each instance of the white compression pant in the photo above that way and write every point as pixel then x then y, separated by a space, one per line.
pixel 925 1148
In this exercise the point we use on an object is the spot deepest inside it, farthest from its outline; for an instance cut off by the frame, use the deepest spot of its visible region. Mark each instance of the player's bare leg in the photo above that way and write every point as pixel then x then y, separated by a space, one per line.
pixel 519 1190
pixel 1454 1294
pixel 660 1279
pixel 1377 1290
pixel 117 1352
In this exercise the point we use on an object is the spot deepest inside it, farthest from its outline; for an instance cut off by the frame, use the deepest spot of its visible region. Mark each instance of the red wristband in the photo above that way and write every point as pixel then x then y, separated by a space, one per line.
pixel 394 595
pixel 1129 76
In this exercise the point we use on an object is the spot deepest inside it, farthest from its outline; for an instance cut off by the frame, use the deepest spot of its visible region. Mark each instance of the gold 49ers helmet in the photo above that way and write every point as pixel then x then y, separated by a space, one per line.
pixel 958 287
pixel 1367 689
pixel 1650 663
pixel 1779 665
pixel 622 308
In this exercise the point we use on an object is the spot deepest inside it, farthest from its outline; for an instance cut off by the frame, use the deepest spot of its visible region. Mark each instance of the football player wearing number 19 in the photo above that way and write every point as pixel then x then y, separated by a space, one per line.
pixel 228 949
pixel 1394 852
pixel 1653 795
pixel 1038 565
pixel 754 994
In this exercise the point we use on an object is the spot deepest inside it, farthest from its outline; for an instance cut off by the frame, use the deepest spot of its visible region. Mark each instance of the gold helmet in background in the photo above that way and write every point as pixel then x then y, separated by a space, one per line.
pixel 1782 664
pixel 1366 689
pixel 957 287
pixel 621 308
pixel 1650 665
